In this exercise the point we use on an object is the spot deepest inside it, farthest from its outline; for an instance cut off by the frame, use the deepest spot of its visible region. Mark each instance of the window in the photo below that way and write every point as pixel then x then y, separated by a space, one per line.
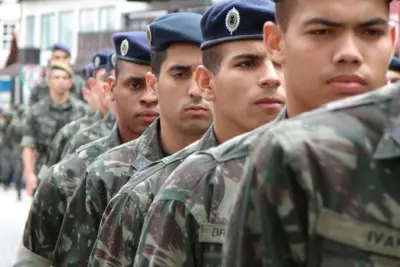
pixel 48 30
pixel 30 31
pixel 65 28
pixel 86 20
pixel 8 29
pixel 107 18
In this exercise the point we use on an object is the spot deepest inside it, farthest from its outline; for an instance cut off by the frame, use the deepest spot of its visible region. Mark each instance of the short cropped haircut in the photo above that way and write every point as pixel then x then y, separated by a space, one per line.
pixel 157 59
pixel 211 58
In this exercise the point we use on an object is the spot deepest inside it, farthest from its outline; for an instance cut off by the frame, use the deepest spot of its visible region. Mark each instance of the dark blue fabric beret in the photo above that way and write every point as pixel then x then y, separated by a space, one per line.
pixel 62 47
pixel 236 20
pixel 394 64
pixel 101 59
pixel 182 27
pixel 132 47
pixel 87 71
pixel 112 60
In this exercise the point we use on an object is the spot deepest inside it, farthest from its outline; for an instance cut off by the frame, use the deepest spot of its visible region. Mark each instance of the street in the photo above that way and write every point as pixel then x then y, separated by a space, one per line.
pixel 13 216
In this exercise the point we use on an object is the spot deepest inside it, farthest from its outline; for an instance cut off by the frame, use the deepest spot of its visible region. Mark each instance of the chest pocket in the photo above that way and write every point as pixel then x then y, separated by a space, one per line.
pixel 349 242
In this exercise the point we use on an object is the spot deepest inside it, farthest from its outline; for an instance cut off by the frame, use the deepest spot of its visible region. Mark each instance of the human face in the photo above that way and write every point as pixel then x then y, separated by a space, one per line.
pixel 59 81
pixel 136 105
pixel 246 91
pixel 101 79
pixel 61 56
pixel 331 50
pixel 392 76
pixel 181 105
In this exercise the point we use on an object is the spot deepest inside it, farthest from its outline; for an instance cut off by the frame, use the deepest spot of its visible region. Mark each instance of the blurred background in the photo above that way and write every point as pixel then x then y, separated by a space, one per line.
pixel 28 29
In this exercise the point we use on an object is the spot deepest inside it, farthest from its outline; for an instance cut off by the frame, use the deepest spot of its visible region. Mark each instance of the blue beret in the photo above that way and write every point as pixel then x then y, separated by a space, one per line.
pixel 61 47
pixel 88 71
pixel 236 20
pixel 394 64
pixel 182 27
pixel 101 59
pixel 132 47
pixel 111 61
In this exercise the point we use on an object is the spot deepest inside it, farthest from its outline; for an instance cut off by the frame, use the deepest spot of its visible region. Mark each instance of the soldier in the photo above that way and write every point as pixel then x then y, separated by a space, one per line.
pixel 45 118
pixel 12 138
pixel 231 63
pixel 103 69
pixel 50 202
pixel 327 197
pixel 59 53
pixel 393 74
pixel 185 225
pixel 65 133
pixel 184 118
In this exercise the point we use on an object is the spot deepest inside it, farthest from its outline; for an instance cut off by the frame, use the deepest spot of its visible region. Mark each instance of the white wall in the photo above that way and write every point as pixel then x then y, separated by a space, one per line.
pixel 37 8
pixel 9 13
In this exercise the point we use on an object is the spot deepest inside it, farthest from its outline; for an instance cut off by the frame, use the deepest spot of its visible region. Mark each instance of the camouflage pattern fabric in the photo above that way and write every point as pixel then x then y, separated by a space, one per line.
pixel 51 199
pixel 41 91
pixel 97 130
pixel 103 179
pixel 185 222
pixel 123 218
pixel 44 119
pixel 67 132
pixel 323 189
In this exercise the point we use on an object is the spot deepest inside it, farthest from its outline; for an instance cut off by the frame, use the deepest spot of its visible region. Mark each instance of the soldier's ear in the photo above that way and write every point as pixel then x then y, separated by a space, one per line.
pixel 151 82
pixel 204 81
pixel 92 83
pixel 111 87
pixel 274 42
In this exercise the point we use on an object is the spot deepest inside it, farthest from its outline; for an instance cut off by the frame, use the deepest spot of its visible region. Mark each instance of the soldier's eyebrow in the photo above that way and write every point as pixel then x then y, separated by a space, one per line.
pixel 335 24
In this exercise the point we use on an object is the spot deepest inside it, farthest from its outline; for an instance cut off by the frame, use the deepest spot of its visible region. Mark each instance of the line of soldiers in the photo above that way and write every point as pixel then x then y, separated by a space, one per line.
pixel 253 135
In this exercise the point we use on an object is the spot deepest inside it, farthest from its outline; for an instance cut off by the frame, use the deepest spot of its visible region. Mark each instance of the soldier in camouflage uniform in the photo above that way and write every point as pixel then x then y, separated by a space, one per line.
pixel 185 225
pixel 50 203
pixel 103 69
pixel 184 118
pixel 221 52
pixel 59 53
pixel 327 197
pixel 45 118
pixel 69 130
pixel 12 138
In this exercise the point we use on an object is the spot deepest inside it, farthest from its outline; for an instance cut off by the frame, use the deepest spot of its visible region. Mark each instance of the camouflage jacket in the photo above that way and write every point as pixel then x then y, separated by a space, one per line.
pixel 41 90
pixel 97 130
pixel 123 218
pixel 65 133
pixel 50 201
pixel 184 225
pixel 103 179
pixel 44 119
pixel 323 189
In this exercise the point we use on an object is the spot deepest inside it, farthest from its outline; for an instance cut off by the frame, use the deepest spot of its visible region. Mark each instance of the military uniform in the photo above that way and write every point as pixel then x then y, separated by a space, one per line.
pixel 320 193
pixel 44 119
pixel 50 202
pixel 95 131
pixel 108 173
pixel 123 218
pixel 69 130
pixel 102 180
pixel 185 223
pixel 13 137
pixel 101 60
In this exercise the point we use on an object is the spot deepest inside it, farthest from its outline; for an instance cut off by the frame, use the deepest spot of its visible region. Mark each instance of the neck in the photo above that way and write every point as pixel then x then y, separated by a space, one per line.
pixel 59 98
pixel 295 108
pixel 126 135
pixel 173 140
pixel 224 133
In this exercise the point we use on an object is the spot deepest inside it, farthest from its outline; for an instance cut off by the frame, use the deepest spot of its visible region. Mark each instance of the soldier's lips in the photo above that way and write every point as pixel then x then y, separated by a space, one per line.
pixel 148 115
